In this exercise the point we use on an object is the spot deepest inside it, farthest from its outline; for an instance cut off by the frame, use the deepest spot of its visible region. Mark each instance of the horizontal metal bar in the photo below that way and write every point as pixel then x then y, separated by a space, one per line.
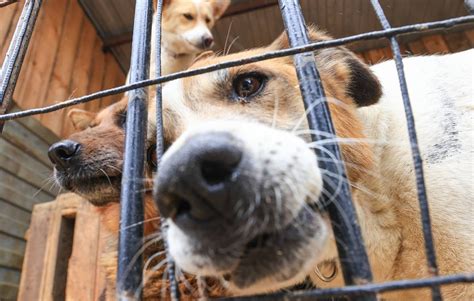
pixel 129 272
pixel 416 155
pixel 262 57
pixel 350 246
pixel 16 53
pixel 356 290
pixel 7 2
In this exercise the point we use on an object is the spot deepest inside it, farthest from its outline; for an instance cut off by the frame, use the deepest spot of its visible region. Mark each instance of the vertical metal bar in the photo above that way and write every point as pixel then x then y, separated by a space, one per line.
pixel 174 288
pixel 354 261
pixel 129 274
pixel 417 161
pixel 16 53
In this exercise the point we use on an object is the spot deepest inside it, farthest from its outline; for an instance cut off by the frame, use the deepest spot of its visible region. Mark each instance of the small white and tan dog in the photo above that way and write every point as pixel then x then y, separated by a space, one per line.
pixel 186 31
pixel 240 182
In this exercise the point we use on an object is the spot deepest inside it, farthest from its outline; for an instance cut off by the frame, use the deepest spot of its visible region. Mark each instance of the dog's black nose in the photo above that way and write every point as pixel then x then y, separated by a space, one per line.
pixel 195 183
pixel 207 42
pixel 61 153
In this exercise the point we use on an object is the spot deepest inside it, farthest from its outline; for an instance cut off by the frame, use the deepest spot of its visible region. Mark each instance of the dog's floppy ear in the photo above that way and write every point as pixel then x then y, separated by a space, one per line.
pixel 203 55
pixel 81 119
pixel 360 83
pixel 219 7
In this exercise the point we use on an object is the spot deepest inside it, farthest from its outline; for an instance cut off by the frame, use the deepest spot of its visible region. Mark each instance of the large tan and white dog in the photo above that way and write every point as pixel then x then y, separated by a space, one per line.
pixel 240 181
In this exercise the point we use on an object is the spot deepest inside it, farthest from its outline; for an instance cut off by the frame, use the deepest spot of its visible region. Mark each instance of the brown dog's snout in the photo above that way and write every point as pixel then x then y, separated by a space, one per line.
pixel 195 183
pixel 63 152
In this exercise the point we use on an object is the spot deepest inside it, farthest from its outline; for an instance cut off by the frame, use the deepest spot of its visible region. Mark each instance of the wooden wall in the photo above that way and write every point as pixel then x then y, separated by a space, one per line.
pixel 439 43
pixel 25 180
pixel 64 60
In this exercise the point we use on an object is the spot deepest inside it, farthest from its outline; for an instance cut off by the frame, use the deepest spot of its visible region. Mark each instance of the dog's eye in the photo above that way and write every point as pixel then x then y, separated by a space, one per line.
pixel 121 119
pixel 208 20
pixel 188 16
pixel 151 157
pixel 248 85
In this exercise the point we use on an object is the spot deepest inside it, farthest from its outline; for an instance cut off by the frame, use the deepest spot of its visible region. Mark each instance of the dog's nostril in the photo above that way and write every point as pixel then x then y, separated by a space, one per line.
pixel 182 207
pixel 61 152
pixel 216 172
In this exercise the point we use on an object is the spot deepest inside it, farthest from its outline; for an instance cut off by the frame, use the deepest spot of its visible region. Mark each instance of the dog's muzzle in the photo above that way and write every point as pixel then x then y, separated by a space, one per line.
pixel 197 184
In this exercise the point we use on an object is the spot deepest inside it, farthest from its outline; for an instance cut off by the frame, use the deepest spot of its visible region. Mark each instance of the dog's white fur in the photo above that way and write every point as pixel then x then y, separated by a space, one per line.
pixel 441 93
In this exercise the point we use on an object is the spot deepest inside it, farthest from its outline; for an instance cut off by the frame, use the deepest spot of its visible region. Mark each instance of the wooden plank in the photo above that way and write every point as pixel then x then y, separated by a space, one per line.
pixel 12 227
pixel 6 22
pixel 12 151
pixel 11 243
pixel 457 41
pixel 417 48
pixel 36 127
pixel 42 55
pixel 12 195
pixel 109 79
pixel 31 193
pixel 83 261
pixel 33 264
pixel 55 261
pixel 15 133
pixel 59 84
pixel 16 213
pixel 23 171
pixel 98 71
pixel 11 29
pixel 470 36
pixel 435 44
pixel 100 273
pixel 82 70
pixel 9 291
pixel 11 259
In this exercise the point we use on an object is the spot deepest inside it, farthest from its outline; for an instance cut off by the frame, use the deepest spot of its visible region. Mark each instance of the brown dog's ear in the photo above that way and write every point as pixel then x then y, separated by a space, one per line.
pixel 203 55
pixel 81 119
pixel 219 7
pixel 360 83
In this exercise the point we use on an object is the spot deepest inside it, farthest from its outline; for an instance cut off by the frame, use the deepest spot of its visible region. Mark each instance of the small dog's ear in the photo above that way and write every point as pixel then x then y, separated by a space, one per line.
pixel 203 55
pixel 81 119
pixel 219 7
pixel 165 3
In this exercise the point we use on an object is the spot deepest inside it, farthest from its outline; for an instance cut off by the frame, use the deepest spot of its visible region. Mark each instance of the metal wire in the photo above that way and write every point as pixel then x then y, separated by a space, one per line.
pixel 174 288
pixel 130 263
pixel 16 53
pixel 233 63
pixel 358 290
pixel 132 198
pixel 350 246
pixel 415 150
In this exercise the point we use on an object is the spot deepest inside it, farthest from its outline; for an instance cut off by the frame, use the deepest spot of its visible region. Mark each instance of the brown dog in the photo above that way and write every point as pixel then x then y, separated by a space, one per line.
pixel 89 163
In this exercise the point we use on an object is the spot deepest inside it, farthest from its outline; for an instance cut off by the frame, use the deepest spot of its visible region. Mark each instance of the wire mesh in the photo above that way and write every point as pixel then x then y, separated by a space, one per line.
pixel 132 199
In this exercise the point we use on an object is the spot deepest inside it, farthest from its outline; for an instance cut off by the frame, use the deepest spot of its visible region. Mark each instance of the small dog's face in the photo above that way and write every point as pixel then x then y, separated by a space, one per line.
pixel 90 161
pixel 187 24
pixel 240 184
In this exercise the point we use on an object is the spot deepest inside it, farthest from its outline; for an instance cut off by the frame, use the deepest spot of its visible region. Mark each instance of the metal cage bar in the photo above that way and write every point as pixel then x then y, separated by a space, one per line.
pixel 352 255
pixel 174 288
pixel 129 272
pixel 16 53
pixel 415 150
pixel 130 268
